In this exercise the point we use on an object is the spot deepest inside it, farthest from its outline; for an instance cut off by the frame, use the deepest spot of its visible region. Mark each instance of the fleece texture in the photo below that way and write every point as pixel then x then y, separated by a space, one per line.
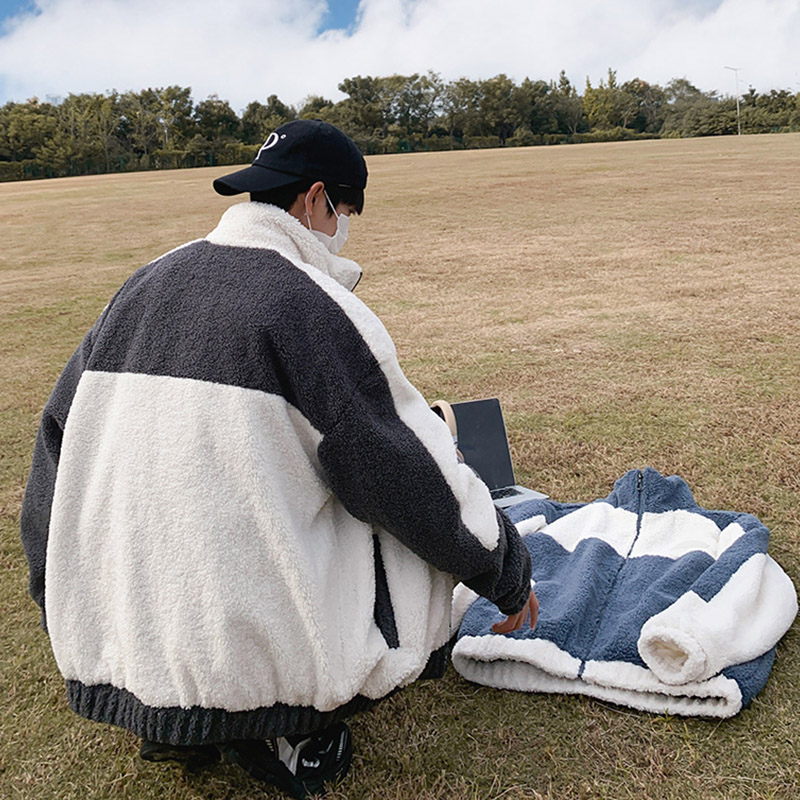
pixel 241 519
pixel 646 600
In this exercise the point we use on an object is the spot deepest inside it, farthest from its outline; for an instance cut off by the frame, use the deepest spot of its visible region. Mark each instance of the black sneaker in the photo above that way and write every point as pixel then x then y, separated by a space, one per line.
pixel 194 756
pixel 298 765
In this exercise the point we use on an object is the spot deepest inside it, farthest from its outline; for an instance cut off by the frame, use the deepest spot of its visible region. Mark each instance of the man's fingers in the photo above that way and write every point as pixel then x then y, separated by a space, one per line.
pixel 506 626
pixel 533 607
pixel 513 623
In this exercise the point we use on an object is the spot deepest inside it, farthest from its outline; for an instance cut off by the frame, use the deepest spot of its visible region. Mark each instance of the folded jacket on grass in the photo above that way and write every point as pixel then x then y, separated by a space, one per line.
pixel 646 600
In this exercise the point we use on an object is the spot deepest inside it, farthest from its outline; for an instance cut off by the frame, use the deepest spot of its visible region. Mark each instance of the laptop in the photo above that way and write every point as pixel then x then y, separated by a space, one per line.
pixel 483 442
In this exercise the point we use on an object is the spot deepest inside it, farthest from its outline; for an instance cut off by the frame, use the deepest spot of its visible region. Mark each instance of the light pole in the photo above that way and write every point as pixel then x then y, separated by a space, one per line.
pixel 735 71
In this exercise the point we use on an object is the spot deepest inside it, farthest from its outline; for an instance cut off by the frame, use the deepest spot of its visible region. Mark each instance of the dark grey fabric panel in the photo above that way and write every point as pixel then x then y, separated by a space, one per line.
pixel 384 613
pixel 38 499
pixel 197 725
pixel 241 317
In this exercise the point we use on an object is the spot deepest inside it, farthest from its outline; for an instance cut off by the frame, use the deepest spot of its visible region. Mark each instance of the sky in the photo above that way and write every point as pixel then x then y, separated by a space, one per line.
pixel 245 50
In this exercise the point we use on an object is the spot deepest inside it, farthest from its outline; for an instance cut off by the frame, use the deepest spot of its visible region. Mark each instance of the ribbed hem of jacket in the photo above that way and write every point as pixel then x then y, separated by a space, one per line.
pixel 197 725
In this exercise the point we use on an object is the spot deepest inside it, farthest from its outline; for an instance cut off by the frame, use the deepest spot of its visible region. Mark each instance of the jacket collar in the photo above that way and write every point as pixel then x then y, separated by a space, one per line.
pixel 251 224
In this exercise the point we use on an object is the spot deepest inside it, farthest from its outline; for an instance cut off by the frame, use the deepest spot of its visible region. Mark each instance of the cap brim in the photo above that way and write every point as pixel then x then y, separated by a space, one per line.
pixel 254 178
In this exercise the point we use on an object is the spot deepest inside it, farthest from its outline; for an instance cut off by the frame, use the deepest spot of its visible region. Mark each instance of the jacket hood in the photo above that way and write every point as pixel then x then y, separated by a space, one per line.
pixel 252 224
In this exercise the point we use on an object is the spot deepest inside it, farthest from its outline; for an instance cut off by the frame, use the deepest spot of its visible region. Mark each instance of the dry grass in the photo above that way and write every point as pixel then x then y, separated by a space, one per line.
pixel 631 304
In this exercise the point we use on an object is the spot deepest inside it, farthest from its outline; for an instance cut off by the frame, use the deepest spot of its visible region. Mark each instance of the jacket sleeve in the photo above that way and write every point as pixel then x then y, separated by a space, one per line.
pixel 38 499
pixel 391 462
pixel 735 611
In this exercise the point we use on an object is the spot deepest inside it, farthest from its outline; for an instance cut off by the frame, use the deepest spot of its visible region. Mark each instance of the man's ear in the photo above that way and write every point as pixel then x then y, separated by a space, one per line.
pixel 315 190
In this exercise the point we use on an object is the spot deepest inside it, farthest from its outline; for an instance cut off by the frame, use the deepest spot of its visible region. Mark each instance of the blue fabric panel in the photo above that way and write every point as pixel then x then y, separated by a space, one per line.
pixel 479 619
pixel 626 492
pixel 570 587
pixel 720 518
pixel 645 586
pixel 660 493
pixel 752 675
pixel 755 540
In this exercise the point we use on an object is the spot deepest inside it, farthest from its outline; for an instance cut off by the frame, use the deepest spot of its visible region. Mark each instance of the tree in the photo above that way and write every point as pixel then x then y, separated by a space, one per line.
pixel 364 109
pixel 105 125
pixel 315 106
pixel 499 106
pixel 717 118
pixel 609 105
pixel 762 113
pixel 82 139
pixel 216 120
pixel 650 99
pixel 140 123
pixel 25 128
pixel 259 120
pixel 411 103
pixel 537 106
pixel 175 115
pixel 686 107
pixel 460 100
pixel 794 114
pixel 567 105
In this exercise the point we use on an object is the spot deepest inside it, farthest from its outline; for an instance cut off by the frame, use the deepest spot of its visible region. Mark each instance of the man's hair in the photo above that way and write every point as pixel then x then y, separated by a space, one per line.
pixel 284 196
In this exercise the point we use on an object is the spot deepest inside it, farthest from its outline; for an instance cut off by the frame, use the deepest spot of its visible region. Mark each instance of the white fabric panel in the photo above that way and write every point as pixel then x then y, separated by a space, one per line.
pixel 512 662
pixel 632 685
pixel 271 228
pixel 693 639
pixel 463 598
pixel 728 536
pixel 614 526
pixel 532 524
pixel 423 625
pixel 536 665
pixel 672 534
pixel 281 594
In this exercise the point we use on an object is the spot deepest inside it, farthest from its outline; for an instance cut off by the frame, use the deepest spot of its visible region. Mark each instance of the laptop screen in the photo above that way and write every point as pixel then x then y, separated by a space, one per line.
pixel 483 442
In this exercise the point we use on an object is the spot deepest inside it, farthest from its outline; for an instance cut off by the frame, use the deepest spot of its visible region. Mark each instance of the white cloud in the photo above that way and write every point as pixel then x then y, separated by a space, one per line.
pixel 247 49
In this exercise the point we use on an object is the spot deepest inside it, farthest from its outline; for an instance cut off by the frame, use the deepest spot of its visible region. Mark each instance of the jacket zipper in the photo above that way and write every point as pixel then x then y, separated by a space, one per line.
pixel 639 513
pixel 639 510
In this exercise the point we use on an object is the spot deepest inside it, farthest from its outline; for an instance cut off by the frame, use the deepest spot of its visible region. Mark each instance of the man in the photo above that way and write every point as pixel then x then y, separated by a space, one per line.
pixel 243 523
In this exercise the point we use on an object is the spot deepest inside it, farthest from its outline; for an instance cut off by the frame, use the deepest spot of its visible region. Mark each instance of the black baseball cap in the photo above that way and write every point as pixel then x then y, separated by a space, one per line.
pixel 303 148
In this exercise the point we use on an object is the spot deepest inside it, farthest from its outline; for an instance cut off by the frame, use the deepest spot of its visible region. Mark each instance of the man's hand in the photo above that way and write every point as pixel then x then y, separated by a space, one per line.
pixel 516 621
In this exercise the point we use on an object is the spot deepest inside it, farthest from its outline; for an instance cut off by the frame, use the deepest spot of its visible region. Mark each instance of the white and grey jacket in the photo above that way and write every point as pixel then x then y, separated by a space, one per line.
pixel 242 520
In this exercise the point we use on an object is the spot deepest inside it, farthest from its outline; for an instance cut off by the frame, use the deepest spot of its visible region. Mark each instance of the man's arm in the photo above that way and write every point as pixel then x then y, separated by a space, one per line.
pixel 38 499
pixel 392 462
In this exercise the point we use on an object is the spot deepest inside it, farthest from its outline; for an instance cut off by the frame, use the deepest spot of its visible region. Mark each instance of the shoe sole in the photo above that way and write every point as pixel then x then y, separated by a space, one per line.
pixel 179 755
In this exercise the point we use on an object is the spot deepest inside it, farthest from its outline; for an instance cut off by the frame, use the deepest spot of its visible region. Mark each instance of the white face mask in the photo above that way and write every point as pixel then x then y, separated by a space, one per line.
pixel 336 242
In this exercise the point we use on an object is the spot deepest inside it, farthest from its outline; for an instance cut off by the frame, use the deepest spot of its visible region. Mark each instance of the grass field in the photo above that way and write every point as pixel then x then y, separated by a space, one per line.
pixel 631 304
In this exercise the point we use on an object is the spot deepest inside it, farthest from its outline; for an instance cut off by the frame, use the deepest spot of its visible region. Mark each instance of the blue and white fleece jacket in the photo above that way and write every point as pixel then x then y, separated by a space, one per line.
pixel 645 599
pixel 242 520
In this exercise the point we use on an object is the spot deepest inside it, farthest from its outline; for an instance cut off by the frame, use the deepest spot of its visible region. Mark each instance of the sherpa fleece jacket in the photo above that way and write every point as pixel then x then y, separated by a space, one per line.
pixel 645 599
pixel 242 520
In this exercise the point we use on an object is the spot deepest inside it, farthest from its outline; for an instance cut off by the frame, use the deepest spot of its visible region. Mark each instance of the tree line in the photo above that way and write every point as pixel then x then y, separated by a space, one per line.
pixel 163 128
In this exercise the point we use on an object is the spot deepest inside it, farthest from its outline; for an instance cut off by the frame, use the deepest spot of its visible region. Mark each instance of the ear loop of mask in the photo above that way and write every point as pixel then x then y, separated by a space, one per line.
pixel 336 242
